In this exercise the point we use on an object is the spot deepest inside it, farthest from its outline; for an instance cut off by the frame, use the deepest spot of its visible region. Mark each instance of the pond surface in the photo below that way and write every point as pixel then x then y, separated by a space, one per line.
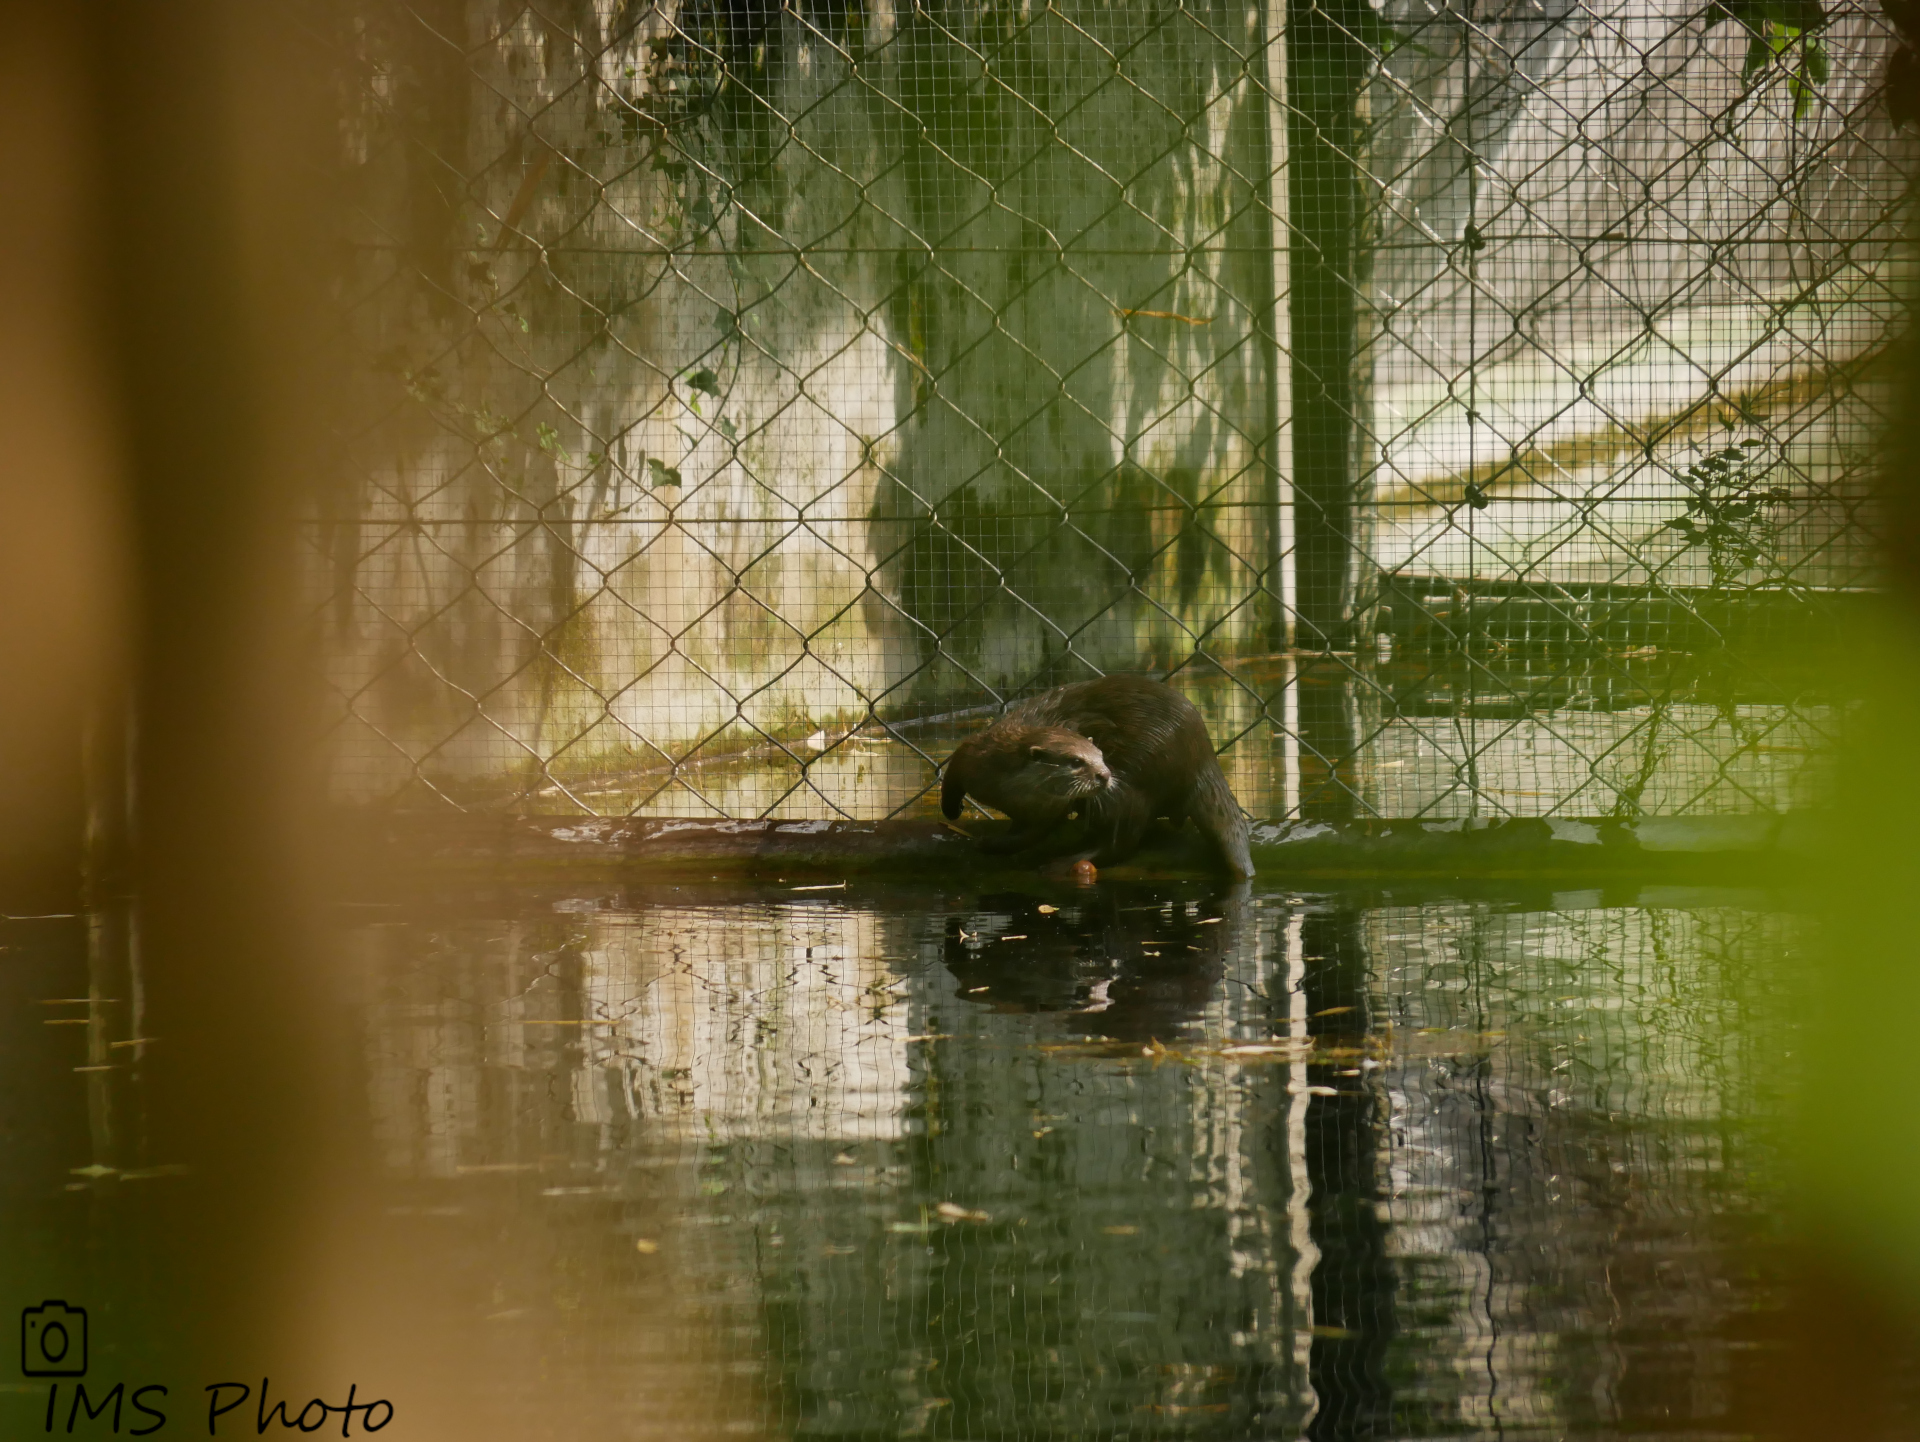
pixel 1130 1161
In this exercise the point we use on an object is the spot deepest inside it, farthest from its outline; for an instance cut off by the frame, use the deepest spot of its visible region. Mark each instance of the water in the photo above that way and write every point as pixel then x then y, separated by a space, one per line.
pixel 1126 1162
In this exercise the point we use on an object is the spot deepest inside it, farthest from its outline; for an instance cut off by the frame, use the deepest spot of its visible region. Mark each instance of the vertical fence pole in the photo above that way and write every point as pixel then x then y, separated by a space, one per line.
pixel 1327 65
pixel 1328 61
pixel 1280 318
pixel 1286 591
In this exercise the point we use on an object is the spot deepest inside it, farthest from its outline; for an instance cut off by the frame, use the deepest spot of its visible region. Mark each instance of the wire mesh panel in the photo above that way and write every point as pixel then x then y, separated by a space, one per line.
pixel 1628 291
pixel 1466 405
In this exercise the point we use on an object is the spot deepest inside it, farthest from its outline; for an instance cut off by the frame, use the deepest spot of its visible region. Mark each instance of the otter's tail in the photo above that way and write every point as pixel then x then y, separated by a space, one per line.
pixel 1220 818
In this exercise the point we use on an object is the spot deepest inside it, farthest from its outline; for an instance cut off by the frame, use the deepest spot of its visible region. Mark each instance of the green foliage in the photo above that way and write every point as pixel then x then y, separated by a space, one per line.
pixel 1797 15
pixel 659 473
pixel 1366 26
pixel 1730 511
pixel 1782 36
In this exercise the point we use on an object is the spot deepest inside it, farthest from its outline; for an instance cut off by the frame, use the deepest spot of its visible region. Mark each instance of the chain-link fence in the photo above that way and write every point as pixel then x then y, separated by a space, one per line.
pixel 1469 404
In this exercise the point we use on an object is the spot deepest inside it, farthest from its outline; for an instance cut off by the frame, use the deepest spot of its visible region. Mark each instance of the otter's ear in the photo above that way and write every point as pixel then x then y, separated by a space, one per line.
pixel 1036 753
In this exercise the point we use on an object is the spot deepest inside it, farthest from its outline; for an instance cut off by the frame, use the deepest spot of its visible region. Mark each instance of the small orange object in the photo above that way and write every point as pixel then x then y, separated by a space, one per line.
pixel 1084 873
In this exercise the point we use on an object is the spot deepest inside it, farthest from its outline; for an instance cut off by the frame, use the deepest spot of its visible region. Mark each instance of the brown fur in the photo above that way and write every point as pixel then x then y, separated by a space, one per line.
pixel 1118 752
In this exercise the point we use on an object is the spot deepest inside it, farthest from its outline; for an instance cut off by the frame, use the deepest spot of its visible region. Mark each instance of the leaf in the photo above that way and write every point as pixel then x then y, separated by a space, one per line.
pixel 1903 85
pixel 1759 52
pixel 1386 40
pixel 1376 35
pixel 1756 15
pixel 1819 66
pixel 704 380
pixel 662 474
pixel 727 428
pixel 1802 15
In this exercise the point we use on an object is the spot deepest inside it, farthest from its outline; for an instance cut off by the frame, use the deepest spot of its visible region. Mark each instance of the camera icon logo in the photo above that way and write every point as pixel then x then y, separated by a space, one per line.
pixel 53 1340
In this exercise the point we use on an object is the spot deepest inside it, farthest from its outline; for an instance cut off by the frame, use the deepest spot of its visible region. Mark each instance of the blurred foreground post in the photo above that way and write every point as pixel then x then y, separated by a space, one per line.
pixel 171 382
pixel 1848 1348
pixel 209 156
pixel 167 389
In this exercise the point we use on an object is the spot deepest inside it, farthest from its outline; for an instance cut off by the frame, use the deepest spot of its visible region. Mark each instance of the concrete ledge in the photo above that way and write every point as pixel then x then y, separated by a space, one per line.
pixel 1656 846
pixel 1741 848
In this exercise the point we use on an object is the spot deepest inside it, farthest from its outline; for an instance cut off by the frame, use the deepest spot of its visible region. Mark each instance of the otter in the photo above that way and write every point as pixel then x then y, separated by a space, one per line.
pixel 1118 752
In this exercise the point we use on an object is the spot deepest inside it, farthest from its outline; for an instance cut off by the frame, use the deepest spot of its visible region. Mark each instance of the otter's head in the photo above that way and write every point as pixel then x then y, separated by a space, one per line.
pixel 1065 764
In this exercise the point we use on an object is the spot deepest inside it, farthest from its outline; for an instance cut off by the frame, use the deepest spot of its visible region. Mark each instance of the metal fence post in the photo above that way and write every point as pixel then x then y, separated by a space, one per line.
pixel 1280 435
pixel 1327 65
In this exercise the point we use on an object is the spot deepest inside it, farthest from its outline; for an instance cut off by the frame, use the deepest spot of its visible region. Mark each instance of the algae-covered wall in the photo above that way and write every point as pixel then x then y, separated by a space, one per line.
pixel 735 368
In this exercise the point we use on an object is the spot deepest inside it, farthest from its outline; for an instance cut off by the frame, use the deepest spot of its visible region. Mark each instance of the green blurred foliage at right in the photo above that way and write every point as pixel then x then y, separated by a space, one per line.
pixel 1858 1123
pixel 1859 1135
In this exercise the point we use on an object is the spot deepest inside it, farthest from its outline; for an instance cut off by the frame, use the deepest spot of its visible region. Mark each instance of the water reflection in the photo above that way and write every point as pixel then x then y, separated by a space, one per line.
pixel 1123 962
pixel 1125 1161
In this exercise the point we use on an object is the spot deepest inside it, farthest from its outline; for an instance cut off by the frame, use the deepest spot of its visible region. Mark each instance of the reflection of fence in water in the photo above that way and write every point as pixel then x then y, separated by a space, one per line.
pixel 1160 1235
pixel 1580 1186
pixel 752 381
